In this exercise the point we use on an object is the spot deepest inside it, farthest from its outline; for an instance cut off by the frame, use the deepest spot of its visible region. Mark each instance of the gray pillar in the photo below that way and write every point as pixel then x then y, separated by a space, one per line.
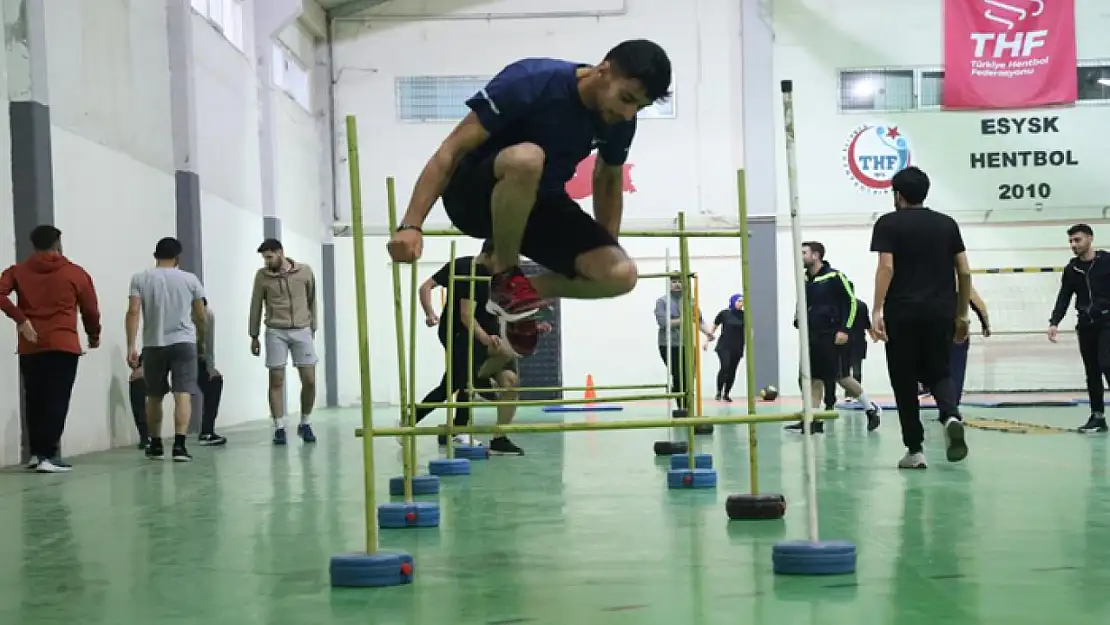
pixel 760 135
pixel 29 119
pixel 271 227
pixel 183 119
pixel 183 122
pixel 331 354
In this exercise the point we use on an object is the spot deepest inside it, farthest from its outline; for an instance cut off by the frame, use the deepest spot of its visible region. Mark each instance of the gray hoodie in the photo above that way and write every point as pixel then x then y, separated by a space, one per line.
pixel 676 312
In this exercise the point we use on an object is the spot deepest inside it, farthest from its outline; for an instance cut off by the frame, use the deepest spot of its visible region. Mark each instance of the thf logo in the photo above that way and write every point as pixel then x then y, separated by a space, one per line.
pixel 581 186
pixel 873 154
pixel 1018 44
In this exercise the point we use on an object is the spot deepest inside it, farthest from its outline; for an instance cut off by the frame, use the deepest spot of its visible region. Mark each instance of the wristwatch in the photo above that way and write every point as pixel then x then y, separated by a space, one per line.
pixel 403 227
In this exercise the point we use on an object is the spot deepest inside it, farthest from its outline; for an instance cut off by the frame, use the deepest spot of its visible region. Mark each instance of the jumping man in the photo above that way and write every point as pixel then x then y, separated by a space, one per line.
pixel 502 174
pixel 1087 277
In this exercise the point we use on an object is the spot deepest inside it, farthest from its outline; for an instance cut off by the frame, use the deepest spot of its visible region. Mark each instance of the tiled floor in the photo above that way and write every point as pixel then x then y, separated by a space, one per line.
pixel 582 530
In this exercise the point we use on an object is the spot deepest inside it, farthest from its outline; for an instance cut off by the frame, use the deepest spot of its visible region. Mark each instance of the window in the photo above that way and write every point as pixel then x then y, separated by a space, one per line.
pixel 877 90
pixel 435 98
pixel 443 99
pixel 226 16
pixel 1094 83
pixel 290 77
pixel 931 92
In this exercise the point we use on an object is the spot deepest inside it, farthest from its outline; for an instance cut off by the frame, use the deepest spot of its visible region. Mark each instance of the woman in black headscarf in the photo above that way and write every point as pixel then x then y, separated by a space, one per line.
pixel 730 349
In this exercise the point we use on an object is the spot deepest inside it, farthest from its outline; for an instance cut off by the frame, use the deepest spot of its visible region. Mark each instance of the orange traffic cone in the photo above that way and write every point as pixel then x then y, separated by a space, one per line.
pixel 590 392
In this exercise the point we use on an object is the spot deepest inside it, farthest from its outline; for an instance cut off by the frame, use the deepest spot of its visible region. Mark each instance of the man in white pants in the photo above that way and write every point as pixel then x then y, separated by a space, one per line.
pixel 288 291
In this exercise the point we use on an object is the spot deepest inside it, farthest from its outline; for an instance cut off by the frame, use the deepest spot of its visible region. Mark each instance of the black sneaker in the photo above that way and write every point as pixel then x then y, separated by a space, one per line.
pixel 954 439
pixel 180 454
pixel 1095 425
pixel 212 440
pixel 502 446
pixel 873 417
pixel 797 428
pixel 155 450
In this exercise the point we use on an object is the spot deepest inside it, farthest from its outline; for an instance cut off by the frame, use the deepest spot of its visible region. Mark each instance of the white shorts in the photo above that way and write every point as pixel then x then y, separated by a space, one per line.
pixel 280 342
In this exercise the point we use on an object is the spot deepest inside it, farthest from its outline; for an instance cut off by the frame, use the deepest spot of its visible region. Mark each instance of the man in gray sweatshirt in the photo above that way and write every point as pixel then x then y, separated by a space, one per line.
pixel 670 334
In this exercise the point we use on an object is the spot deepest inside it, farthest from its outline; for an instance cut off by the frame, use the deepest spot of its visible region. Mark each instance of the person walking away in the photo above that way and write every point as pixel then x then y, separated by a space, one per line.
pixel 170 304
pixel 210 382
pixel 730 346
pixel 672 328
pixel 286 290
pixel 50 290
pixel 855 353
pixel 1087 279
pixel 922 301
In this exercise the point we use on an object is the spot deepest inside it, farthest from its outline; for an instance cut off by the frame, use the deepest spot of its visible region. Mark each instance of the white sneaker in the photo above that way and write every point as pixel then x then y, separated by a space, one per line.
pixel 466 440
pixel 912 461
pixel 46 466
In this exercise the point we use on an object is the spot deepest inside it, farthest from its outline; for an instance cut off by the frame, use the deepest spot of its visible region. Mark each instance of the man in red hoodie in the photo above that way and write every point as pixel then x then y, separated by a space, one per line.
pixel 50 291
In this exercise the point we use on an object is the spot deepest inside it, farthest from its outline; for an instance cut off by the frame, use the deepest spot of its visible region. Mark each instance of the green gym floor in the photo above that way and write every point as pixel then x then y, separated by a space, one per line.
pixel 582 530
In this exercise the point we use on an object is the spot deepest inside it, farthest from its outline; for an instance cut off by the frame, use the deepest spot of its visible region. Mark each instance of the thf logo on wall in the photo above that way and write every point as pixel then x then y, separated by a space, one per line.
pixel 581 186
pixel 873 154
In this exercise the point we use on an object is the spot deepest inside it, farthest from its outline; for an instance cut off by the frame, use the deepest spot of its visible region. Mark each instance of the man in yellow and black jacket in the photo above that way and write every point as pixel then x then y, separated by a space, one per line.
pixel 832 307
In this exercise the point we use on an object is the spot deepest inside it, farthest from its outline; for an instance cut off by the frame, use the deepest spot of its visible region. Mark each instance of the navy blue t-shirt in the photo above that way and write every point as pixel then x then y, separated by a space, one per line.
pixel 537 101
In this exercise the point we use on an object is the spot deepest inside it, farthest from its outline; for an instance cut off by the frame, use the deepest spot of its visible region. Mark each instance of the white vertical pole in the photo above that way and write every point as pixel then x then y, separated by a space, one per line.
pixel 802 308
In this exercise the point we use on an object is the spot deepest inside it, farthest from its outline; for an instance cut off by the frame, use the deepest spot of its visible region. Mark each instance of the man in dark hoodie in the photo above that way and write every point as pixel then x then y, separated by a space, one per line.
pixel 50 290
pixel 1087 278
pixel 831 303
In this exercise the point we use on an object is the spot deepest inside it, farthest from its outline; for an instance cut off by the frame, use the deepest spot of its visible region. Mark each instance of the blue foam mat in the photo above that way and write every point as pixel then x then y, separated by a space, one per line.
pixel 1020 403
pixel 584 408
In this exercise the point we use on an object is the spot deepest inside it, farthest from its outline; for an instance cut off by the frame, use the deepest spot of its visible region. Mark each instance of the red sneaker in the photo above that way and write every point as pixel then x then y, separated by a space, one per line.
pixel 522 336
pixel 512 296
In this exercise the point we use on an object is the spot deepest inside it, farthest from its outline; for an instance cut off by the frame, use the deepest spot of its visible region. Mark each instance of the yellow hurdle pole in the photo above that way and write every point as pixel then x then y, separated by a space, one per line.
pixel 686 340
pixel 749 333
pixel 412 361
pixel 450 353
pixel 362 312
pixel 399 325
pixel 697 344
pixel 633 234
pixel 631 387
pixel 590 426
pixel 662 274
pixel 470 334
pixel 549 402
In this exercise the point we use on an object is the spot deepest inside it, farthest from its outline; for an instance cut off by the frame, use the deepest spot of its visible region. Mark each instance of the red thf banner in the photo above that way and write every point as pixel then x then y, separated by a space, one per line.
pixel 1009 54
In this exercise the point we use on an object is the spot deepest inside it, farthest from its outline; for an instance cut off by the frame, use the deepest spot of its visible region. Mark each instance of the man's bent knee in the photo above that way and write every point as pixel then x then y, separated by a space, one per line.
pixel 507 379
pixel 523 160
pixel 609 266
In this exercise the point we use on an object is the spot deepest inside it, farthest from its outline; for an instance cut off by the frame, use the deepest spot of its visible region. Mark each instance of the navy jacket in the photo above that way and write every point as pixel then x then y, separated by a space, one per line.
pixel 831 301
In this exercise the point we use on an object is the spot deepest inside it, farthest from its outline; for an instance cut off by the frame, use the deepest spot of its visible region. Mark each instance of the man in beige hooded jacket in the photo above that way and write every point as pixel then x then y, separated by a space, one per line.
pixel 286 290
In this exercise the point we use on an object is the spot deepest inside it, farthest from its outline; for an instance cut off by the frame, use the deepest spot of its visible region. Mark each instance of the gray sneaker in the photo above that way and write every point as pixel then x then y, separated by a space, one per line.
pixel 954 439
pixel 912 461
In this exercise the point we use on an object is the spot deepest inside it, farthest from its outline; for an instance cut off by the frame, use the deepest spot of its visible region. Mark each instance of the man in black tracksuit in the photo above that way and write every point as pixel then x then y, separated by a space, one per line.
pixel 831 303
pixel 1087 277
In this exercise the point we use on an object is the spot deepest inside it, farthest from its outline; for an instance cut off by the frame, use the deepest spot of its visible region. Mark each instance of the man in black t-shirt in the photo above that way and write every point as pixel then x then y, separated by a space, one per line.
pixel 922 296
pixel 492 355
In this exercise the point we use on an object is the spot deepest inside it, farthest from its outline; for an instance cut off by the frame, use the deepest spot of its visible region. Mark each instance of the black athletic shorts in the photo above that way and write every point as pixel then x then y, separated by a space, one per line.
pixel 558 230
pixel 827 360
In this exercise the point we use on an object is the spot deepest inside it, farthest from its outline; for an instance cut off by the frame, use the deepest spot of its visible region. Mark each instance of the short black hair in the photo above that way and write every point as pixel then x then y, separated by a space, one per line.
pixel 912 184
pixel 270 245
pixel 645 61
pixel 45 237
pixel 815 247
pixel 487 246
pixel 168 248
pixel 1084 228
